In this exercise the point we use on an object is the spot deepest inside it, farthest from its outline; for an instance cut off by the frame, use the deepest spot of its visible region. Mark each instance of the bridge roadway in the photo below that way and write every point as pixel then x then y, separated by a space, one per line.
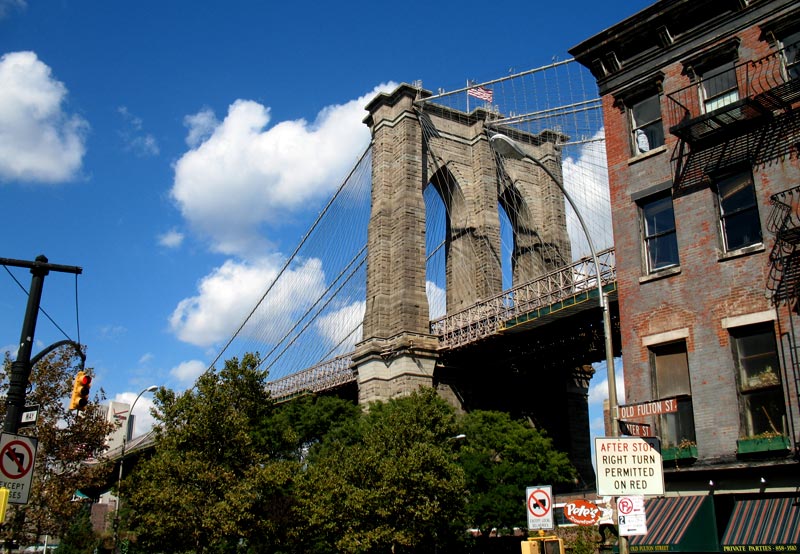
pixel 558 294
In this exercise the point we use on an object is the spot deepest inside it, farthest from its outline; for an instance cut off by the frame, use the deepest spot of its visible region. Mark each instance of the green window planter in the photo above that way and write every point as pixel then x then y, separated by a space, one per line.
pixel 674 453
pixel 758 445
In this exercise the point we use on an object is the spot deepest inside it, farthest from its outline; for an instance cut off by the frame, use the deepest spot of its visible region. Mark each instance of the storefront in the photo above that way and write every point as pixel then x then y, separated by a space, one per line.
pixel 678 524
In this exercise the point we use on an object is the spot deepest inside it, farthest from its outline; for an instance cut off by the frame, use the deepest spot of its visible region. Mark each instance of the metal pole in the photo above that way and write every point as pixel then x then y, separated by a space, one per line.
pixel 508 146
pixel 21 366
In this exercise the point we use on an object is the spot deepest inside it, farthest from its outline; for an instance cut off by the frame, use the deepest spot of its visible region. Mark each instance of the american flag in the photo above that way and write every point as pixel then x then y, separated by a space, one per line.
pixel 481 92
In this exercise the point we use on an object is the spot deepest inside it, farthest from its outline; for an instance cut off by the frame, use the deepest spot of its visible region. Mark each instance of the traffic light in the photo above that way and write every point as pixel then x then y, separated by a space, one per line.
pixel 80 391
pixel 4 492
pixel 543 545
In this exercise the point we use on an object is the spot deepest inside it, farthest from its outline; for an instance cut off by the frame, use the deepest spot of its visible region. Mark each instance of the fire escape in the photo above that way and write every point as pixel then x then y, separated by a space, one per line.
pixel 756 122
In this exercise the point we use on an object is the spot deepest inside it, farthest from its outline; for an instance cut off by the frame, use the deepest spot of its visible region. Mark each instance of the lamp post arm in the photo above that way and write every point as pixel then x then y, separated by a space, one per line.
pixel 611 375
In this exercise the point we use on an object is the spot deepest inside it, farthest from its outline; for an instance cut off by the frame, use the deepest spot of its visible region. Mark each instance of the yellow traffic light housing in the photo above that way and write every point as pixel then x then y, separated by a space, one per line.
pixel 80 391
pixel 543 545
pixel 4 492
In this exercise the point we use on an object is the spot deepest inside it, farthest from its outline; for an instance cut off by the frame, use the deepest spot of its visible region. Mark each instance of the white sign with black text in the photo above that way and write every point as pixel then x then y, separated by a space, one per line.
pixel 629 466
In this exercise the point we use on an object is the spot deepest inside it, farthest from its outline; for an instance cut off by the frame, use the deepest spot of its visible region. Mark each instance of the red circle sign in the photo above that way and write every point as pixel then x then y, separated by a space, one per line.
pixel 625 506
pixel 539 503
pixel 14 463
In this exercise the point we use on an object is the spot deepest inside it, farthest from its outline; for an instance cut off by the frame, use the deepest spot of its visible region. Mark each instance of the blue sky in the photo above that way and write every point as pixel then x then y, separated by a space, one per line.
pixel 159 145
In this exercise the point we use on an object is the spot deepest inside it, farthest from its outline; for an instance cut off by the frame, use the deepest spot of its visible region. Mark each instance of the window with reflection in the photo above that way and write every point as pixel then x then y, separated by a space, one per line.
pixel 670 365
pixel 719 87
pixel 646 126
pixel 658 230
pixel 790 44
pixel 762 407
pixel 738 212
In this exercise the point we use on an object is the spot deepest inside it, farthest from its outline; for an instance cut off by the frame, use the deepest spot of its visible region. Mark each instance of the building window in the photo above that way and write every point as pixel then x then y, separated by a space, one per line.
pixel 718 87
pixel 671 369
pixel 738 211
pixel 791 54
pixel 658 229
pixel 647 130
pixel 761 401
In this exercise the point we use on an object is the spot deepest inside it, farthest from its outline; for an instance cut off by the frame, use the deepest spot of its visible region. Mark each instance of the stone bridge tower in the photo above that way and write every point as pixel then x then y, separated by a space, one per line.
pixel 414 147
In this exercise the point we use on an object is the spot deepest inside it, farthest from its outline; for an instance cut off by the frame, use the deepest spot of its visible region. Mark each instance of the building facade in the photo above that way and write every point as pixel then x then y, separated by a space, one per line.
pixel 701 102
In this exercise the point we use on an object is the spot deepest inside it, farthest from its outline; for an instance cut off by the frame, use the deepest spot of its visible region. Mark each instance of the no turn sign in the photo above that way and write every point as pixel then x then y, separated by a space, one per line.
pixel 17 456
pixel 539 502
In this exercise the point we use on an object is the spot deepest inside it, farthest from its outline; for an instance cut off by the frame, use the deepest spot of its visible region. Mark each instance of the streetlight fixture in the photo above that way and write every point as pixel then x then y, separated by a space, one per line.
pixel 507 147
pixel 125 439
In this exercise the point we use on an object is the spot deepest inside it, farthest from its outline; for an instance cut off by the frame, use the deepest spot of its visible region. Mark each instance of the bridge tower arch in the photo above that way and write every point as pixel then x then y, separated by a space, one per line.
pixel 412 149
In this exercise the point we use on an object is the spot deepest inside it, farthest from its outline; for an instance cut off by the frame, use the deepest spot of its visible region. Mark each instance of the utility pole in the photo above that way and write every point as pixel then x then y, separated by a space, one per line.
pixel 21 367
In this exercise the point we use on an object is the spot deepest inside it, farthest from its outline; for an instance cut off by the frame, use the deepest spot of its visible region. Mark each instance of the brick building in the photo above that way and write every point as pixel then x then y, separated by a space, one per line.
pixel 701 102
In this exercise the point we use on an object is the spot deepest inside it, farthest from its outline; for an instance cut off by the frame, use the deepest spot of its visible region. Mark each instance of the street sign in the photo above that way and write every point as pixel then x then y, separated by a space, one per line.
pixel 29 416
pixel 17 456
pixel 633 429
pixel 628 466
pixel 539 502
pixel 656 407
pixel 631 516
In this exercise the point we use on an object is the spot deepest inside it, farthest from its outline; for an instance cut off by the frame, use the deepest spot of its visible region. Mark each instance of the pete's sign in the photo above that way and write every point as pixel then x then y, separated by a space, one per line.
pixel 582 512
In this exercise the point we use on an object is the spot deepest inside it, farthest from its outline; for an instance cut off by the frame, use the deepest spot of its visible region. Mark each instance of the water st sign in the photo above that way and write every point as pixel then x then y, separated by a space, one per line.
pixel 628 466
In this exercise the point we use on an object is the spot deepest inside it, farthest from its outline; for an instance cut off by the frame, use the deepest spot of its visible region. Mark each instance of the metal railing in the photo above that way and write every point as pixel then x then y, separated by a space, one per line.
pixel 754 78
pixel 490 316
pixel 479 321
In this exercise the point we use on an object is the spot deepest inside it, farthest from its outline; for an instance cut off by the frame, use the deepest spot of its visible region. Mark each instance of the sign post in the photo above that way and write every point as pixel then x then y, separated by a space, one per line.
pixel 539 502
pixel 17 455
pixel 629 466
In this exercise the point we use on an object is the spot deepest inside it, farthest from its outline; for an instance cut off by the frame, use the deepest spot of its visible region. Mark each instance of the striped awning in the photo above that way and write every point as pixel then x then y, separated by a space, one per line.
pixel 678 524
pixel 764 521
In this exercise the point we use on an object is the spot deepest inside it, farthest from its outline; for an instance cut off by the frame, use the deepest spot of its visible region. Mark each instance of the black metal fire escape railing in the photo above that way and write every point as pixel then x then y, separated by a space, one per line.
pixel 759 121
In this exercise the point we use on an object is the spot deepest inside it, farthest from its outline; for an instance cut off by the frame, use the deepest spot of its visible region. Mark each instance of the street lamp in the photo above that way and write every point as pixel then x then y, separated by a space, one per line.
pixel 125 439
pixel 505 146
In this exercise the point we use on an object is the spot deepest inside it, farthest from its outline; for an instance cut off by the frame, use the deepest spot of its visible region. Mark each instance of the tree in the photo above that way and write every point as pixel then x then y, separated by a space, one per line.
pixel 501 457
pixel 211 485
pixel 66 439
pixel 391 485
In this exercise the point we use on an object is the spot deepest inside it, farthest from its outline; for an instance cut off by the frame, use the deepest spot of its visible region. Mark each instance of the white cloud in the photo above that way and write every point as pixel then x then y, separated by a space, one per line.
pixel 39 142
pixel 201 126
pixel 146 358
pixel 171 239
pixel 133 135
pixel 188 372
pixel 228 294
pixel 337 326
pixel 437 300
pixel 586 179
pixel 142 420
pixel 247 173
pixel 7 5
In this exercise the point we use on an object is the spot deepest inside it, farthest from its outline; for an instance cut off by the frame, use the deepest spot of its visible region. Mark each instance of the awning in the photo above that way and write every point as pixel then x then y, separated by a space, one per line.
pixel 766 522
pixel 678 524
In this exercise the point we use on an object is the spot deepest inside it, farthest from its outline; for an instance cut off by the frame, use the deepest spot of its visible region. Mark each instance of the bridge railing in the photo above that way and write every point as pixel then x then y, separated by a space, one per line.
pixel 489 316
pixel 323 376
pixel 474 323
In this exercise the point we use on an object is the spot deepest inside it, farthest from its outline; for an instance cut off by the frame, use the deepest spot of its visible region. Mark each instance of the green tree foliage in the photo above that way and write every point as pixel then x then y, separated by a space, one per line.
pixel 79 538
pixel 388 483
pixel 300 426
pixel 501 457
pixel 211 485
pixel 66 440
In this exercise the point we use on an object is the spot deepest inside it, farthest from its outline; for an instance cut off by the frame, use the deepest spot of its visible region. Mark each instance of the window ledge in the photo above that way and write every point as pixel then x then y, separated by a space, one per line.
pixel 660 274
pixel 739 252
pixel 646 155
